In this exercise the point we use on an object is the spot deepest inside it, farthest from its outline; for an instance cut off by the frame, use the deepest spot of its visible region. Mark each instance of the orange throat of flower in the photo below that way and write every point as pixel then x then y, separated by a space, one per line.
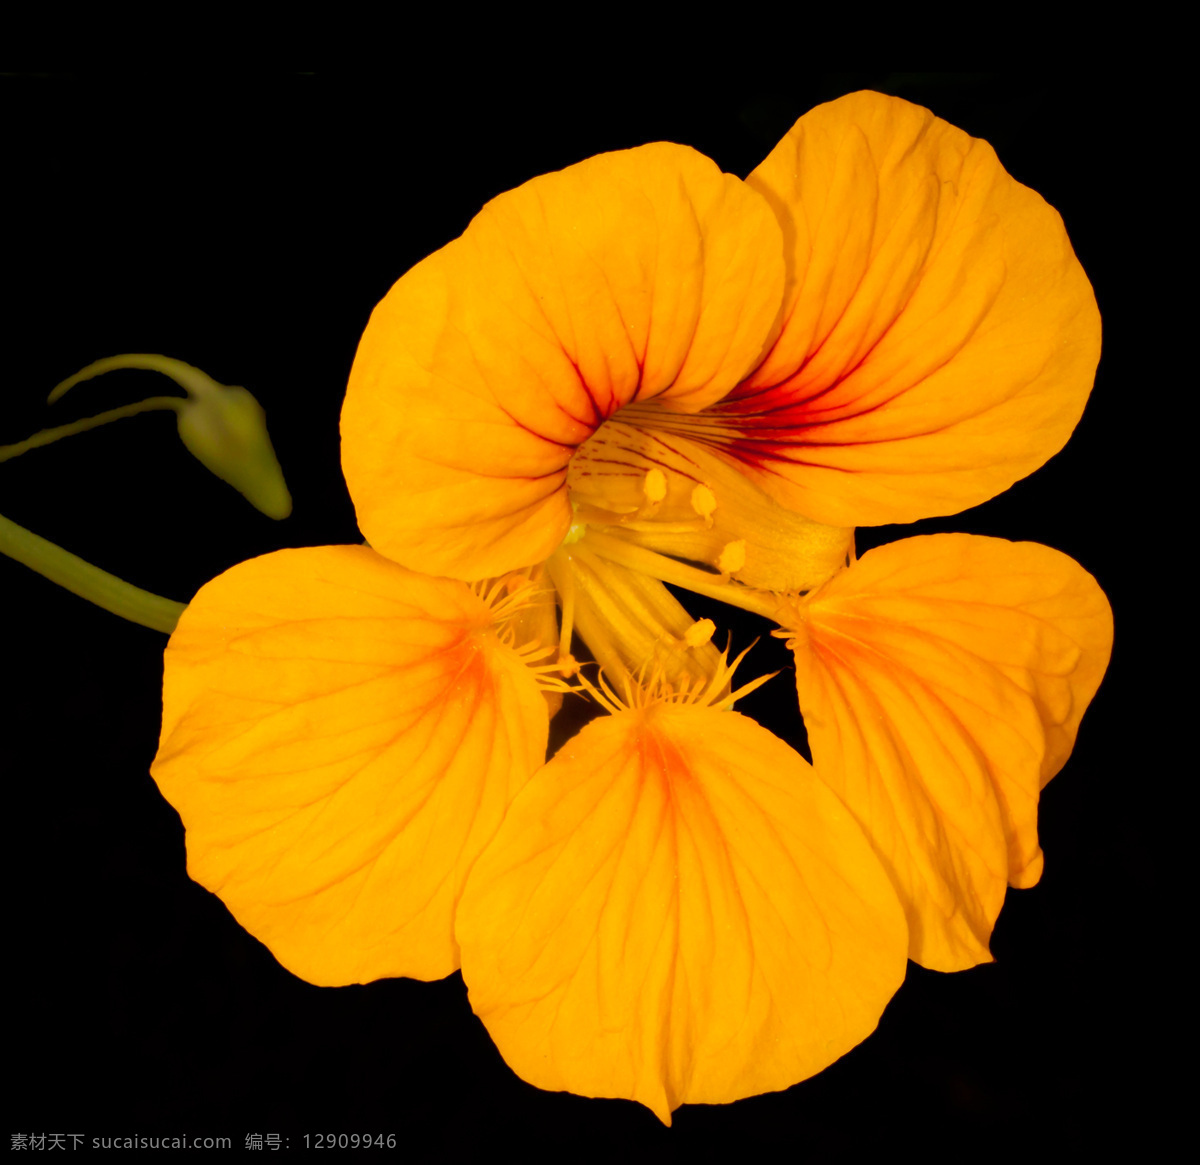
pixel 654 507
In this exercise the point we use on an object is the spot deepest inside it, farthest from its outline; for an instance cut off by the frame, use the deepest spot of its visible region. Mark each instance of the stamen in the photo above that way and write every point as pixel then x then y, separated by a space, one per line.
pixel 566 591
pixel 704 502
pixel 638 482
pixel 628 620
pixel 733 557
pixel 661 527
pixel 679 574
pixel 699 632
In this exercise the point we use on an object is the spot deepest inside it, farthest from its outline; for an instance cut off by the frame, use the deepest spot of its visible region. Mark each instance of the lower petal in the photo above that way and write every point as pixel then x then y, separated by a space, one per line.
pixel 341 737
pixel 942 680
pixel 676 911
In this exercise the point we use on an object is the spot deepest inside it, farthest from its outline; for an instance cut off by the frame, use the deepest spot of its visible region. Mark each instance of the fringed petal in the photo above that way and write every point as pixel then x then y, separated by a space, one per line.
pixel 675 910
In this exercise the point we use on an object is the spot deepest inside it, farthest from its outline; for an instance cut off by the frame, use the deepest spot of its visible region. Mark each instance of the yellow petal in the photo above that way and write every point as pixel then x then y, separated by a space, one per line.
pixel 940 337
pixel 341 737
pixel 676 910
pixel 942 681
pixel 628 276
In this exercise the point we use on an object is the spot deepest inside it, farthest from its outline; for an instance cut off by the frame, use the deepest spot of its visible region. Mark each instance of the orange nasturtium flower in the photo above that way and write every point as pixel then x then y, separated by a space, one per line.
pixel 641 371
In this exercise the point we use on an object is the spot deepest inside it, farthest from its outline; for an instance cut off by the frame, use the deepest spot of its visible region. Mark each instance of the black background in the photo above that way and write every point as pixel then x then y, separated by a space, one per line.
pixel 248 226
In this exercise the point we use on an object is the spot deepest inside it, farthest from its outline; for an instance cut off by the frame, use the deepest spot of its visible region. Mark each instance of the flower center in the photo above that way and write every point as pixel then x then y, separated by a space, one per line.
pixel 663 492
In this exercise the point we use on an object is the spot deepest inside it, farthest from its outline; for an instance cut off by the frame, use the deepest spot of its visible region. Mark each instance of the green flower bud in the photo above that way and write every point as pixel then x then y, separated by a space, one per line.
pixel 225 429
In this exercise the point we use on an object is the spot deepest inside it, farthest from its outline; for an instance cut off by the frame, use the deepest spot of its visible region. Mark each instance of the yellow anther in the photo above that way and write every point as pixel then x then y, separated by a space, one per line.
pixel 654 485
pixel 733 557
pixel 699 633
pixel 704 501
pixel 568 666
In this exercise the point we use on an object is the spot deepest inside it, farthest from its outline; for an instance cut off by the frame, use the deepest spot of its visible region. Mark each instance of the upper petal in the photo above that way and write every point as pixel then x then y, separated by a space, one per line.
pixel 341 737
pixel 628 276
pixel 676 910
pixel 942 680
pixel 940 337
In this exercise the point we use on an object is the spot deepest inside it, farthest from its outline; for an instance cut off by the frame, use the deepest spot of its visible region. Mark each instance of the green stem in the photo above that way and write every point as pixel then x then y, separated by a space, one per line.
pixel 187 376
pixel 49 436
pixel 88 581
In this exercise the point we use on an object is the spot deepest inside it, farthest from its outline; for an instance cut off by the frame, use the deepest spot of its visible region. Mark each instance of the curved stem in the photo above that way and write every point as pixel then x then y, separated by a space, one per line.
pixel 49 436
pixel 88 581
pixel 187 376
